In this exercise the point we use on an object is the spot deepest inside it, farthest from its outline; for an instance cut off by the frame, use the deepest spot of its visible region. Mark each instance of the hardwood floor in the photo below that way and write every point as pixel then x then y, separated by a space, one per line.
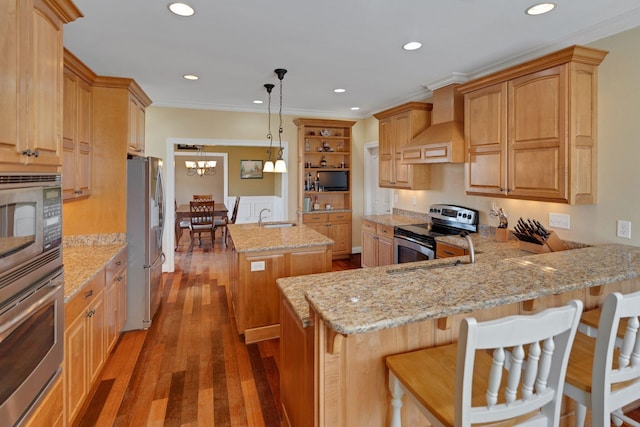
pixel 191 368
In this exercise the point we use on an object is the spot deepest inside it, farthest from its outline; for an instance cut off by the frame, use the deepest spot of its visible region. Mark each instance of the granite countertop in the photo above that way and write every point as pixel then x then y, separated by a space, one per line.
pixel 363 300
pixel 84 259
pixel 251 238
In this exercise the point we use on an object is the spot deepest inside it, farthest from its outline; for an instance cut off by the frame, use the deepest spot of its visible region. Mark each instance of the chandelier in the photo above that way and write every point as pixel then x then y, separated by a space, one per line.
pixel 202 166
pixel 280 165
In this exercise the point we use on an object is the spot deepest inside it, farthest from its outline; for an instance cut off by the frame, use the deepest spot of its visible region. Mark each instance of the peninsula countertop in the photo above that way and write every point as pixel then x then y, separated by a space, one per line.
pixel 252 238
pixel 357 301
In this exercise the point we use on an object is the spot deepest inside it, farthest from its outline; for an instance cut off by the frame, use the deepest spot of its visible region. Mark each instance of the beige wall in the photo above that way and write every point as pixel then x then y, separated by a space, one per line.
pixel 618 160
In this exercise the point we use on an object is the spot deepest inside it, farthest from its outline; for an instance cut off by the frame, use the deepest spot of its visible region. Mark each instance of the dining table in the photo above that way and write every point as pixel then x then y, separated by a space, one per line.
pixel 184 212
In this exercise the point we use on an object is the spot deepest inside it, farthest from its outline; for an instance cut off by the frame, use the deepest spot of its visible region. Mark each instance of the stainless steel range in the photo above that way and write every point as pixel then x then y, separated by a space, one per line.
pixel 416 242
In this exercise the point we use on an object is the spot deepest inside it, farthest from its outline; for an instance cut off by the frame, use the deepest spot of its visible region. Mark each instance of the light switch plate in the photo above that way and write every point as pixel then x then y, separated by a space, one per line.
pixel 557 220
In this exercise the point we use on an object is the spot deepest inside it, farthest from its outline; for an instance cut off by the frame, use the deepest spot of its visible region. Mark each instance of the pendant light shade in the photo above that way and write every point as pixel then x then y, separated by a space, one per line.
pixel 268 166
pixel 281 166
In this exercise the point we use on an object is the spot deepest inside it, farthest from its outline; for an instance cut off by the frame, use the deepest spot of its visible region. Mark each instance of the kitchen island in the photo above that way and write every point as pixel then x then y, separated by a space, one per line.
pixel 354 319
pixel 261 254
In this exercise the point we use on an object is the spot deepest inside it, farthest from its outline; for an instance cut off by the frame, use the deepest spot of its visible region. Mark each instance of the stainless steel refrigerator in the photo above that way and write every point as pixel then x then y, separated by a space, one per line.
pixel 145 224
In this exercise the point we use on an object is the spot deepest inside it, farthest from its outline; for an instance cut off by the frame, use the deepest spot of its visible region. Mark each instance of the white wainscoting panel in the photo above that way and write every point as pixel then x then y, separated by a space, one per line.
pixel 250 207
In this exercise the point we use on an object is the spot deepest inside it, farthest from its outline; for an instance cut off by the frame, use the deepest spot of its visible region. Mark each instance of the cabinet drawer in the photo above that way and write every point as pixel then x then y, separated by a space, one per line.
pixel 368 225
pixel 384 230
pixel 86 295
pixel 339 216
pixel 445 251
pixel 115 267
pixel 318 217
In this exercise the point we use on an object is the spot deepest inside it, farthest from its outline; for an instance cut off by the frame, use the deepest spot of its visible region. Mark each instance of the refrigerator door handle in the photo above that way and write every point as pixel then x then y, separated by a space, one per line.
pixel 160 260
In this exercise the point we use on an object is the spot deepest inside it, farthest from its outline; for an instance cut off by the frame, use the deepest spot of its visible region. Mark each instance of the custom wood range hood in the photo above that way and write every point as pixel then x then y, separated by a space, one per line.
pixel 443 141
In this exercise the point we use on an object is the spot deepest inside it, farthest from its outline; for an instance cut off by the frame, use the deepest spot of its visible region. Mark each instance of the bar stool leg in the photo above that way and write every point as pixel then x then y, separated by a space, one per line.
pixel 396 401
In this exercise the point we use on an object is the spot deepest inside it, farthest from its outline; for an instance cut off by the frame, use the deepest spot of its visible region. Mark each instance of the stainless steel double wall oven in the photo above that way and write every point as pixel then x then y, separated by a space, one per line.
pixel 31 291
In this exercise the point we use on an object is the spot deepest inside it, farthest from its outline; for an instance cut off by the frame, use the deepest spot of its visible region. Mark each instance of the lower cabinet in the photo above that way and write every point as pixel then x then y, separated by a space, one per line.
pixel 94 318
pixel 254 291
pixel 84 344
pixel 334 225
pixel 444 250
pixel 377 244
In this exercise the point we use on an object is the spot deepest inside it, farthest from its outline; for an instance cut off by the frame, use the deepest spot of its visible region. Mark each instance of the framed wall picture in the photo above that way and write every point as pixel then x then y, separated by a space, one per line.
pixel 250 169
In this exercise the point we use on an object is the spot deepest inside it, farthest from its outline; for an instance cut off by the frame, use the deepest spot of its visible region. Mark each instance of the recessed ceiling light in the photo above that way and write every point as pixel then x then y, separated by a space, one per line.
pixel 339 90
pixel 181 9
pixel 355 108
pixel 257 101
pixel 540 8
pixel 190 77
pixel 412 46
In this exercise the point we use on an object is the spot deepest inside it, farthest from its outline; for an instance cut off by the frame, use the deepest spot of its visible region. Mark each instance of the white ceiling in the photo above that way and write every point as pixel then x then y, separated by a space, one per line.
pixel 234 46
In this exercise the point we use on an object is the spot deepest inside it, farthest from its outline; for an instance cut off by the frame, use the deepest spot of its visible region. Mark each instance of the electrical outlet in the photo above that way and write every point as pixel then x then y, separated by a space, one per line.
pixel 257 266
pixel 395 197
pixel 414 201
pixel 557 220
pixel 623 229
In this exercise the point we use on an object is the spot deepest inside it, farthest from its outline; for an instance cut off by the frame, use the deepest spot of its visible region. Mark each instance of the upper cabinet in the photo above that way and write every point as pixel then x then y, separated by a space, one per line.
pixel 77 132
pixel 31 83
pixel 119 113
pixel 397 127
pixel 530 130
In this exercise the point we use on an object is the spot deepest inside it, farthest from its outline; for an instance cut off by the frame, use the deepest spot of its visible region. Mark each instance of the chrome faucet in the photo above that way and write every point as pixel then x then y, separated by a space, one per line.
pixel 472 253
pixel 260 216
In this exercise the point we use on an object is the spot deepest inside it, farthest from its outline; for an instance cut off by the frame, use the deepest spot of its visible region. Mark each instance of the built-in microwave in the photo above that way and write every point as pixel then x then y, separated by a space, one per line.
pixel 30 229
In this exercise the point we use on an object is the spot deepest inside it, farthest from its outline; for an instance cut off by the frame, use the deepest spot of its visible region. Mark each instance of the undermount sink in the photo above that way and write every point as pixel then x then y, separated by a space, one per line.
pixel 278 224
pixel 427 266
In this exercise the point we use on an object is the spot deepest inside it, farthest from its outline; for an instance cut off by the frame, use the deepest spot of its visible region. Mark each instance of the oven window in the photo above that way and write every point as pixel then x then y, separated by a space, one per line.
pixel 17 227
pixel 406 254
pixel 24 348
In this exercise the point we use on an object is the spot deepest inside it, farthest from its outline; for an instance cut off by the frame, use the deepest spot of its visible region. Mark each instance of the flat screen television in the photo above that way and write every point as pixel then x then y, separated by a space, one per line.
pixel 333 180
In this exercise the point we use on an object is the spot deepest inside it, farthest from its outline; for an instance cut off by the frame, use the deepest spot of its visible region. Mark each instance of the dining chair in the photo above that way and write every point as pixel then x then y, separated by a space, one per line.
pixel 511 368
pixel 604 372
pixel 180 225
pixel 201 219
pixel 203 197
pixel 234 216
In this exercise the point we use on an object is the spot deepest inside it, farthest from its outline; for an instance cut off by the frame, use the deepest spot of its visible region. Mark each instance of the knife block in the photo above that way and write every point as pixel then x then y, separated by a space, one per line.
pixel 502 234
pixel 553 244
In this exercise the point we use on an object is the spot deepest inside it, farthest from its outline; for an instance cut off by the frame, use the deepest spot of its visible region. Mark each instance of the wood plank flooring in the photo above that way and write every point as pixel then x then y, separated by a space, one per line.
pixel 191 368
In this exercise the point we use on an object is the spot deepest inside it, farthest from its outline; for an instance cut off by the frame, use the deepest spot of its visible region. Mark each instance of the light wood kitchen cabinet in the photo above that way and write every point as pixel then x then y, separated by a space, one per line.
pixel 119 114
pixel 397 127
pixel 444 250
pixel 31 89
pixel 334 225
pixel 84 342
pixel 530 130
pixel 325 145
pixel 377 244
pixel 254 291
pixel 76 129
pixel 116 298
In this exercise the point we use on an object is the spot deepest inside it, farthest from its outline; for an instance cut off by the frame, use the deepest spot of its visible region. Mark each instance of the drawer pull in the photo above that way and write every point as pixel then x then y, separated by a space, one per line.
pixel 448 252
pixel 118 263
pixel 91 313
pixel 88 294
pixel 119 278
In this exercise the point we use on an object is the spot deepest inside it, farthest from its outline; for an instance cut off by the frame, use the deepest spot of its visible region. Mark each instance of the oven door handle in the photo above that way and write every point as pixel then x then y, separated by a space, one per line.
pixel 8 327
pixel 412 240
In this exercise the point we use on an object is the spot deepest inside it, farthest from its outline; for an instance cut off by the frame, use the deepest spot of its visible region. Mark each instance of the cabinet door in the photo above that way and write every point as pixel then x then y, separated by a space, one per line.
pixel 136 127
pixel 122 301
pixel 96 336
pixel 340 233
pixel 75 366
pixel 69 138
pixel 402 136
pixel 84 138
pixel 112 298
pixel 12 91
pixel 537 155
pixel 486 140
pixel 45 95
pixel 369 255
pixel 386 153
pixel 385 251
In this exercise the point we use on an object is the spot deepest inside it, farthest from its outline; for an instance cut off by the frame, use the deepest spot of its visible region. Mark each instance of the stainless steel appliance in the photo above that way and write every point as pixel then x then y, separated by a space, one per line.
pixel 31 291
pixel 417 242
pixel 145 227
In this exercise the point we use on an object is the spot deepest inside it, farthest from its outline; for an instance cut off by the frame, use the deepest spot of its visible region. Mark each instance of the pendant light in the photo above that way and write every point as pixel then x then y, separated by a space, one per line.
pixel 268 165
pixel 202 166
pixel 281 165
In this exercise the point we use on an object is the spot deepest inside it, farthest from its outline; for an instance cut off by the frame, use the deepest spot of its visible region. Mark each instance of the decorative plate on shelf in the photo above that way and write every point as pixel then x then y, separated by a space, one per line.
pixel 325 132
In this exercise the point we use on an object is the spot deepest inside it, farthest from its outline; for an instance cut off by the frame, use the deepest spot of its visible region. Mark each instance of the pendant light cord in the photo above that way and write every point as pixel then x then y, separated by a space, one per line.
pixel 269 87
